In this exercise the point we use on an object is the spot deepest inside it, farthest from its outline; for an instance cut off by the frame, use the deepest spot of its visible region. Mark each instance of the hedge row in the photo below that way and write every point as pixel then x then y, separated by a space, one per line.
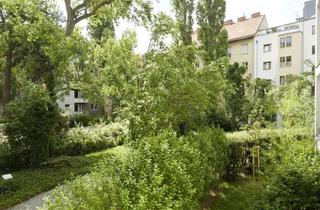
pixel 83 140
pixel 242 144
pixel 163 172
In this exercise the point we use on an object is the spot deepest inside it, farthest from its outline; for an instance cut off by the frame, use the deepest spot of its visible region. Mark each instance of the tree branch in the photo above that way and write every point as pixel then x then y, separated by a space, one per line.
pixel 93 11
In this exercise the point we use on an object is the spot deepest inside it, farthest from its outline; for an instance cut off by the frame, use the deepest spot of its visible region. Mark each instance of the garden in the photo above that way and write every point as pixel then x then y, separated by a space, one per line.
pixel 178 135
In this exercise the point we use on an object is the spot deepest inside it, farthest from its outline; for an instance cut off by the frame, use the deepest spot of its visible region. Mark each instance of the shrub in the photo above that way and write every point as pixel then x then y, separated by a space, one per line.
pixel 242 143
pixel 294 183
pixel 83 140
pixel 162 172
pixel 30 125
pixel 83 120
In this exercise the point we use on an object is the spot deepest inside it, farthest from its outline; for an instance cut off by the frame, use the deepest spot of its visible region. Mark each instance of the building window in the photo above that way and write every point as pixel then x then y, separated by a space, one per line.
pixel 229 52
pixel 78 107
pixel 313 49
pixel 67 106
pixel 313 30
pixel 267 65
pixel 282 80
pixel 244 49
pixel 267 48
pixel 245 64
pixel 282 42
pixel 289 61
pixel 288 41
pixel 282 62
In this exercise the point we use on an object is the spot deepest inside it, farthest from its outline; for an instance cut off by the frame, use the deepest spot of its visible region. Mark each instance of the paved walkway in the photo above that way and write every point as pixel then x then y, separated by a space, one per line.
pixel 33 203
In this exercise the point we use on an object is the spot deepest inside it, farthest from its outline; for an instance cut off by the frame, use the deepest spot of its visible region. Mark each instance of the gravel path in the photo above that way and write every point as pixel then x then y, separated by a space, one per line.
pixel 33 203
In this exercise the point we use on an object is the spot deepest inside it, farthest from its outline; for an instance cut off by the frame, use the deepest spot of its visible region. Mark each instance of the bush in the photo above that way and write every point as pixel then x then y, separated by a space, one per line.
pixel 294 183
pixel 242 143
pixel 30 125
pixel 83 120
pixel 162 172
pixel 83 140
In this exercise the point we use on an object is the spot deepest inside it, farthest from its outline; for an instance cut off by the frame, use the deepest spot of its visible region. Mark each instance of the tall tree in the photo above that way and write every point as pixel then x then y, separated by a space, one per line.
pixel 213 37
pixel 78 10
pixel 184 15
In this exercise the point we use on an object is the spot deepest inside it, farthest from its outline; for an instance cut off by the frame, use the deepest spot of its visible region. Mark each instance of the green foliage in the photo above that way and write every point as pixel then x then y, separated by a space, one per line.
pixel 184 15
pixel 84 120
pixel 236 100
pixel 296 103
pixel 30 127
pixel 163 172
pixel 261 109
pixel 83 140
pixel 268 140
pixel 212 36
pixel 294 182
pixel 31 182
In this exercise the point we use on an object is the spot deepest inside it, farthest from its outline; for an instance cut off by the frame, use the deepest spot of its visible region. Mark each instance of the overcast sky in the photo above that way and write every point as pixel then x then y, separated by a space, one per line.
pixel 277 11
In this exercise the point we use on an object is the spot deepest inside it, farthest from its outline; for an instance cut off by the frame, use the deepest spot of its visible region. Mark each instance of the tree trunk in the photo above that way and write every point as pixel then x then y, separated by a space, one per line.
pixel 7 89
pixel 70 18
pixel 70 27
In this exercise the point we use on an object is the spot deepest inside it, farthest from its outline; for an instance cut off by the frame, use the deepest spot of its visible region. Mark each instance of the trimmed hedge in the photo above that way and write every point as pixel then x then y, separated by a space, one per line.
pixel 162 172
pixel 83 140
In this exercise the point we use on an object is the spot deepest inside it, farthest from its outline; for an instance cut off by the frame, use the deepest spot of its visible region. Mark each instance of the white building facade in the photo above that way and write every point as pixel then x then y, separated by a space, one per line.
pixel 75 103
pixel 279 52
pixel 287 49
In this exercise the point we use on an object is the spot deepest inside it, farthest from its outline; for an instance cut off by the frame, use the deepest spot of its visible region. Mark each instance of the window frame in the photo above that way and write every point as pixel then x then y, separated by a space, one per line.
pixel 269 64
pixel 289 38
pixel 284 80
pixel 282 62
pixel 313 50
pixel 288 62
pixel 282 42
pixel 269 47
pixel 313 32
pixel 244 49
pixel 76 108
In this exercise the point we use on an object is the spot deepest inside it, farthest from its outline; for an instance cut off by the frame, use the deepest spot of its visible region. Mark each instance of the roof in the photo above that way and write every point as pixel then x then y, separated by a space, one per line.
pixel 244 29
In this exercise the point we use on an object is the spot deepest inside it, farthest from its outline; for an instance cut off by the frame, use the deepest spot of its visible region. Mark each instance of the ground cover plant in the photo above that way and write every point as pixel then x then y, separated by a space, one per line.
pixel 30 182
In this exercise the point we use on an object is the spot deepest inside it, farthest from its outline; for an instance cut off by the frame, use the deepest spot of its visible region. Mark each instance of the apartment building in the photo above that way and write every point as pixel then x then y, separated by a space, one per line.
pixel 309 34
pixel 287 49
pixel 75 103
pixel 241 36
pixel 279 52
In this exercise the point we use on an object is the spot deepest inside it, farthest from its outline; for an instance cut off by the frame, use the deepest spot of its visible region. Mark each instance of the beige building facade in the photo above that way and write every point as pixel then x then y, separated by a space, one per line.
pixel 241 39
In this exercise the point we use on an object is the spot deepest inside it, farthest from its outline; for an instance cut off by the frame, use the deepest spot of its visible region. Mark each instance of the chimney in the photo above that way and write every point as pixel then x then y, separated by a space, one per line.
pixel 254 15
pixel 240 19
pixel 228 22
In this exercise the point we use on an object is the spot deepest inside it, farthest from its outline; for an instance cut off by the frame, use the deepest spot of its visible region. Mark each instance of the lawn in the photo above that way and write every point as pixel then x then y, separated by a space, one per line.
pixel 28 183
pixel 235 195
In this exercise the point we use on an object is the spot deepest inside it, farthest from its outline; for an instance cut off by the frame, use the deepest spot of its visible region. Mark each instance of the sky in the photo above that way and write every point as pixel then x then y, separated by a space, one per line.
pixel 278 12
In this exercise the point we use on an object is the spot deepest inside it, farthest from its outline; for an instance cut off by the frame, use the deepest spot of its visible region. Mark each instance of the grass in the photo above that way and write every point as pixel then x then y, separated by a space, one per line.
pixel 235 195
pixel 31 182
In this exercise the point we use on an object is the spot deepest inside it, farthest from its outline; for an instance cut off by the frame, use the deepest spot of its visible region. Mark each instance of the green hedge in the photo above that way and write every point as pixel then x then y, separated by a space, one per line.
pixel 294 181
pixel 162 172
pixel 242 143
pixel 83 140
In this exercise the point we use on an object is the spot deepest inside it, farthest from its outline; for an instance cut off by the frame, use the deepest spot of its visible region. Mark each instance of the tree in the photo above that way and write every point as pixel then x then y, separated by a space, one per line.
pixel 80 10
pixel 184 10
pixel 236 100
pixel 29 32
pixel 213 37
pixel 296 102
